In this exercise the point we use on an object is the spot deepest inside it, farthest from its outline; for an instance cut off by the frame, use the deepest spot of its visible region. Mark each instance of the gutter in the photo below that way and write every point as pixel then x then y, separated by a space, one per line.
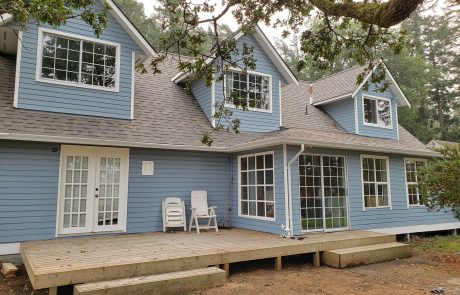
pixel 224 149
pixel 289 184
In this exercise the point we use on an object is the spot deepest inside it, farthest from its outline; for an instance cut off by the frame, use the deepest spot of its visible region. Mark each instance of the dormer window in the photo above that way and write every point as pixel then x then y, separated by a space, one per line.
pixel 251 89
pixel 77 61
pixel 377 111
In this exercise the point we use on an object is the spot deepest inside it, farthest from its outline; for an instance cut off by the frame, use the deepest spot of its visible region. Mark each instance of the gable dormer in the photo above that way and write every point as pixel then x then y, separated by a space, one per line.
pixel 70 70
pixel 264 84
pixel 361 110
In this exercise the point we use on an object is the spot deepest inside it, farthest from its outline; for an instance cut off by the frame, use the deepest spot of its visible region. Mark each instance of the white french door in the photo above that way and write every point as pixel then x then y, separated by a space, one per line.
pixel 93 189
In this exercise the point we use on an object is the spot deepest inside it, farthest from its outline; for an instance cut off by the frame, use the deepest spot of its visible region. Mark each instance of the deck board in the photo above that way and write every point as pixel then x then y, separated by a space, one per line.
pixel 88 259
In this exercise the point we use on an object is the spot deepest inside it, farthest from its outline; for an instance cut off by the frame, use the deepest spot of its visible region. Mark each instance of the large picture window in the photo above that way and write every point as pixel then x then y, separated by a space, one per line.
pixel 412 166
pixel 250 90
pixel 377 111
pixel 78 61
pixel 257 187
pixel 375 181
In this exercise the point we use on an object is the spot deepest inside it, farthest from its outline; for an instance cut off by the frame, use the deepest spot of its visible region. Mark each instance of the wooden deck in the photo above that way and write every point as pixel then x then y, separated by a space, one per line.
pixel 91 259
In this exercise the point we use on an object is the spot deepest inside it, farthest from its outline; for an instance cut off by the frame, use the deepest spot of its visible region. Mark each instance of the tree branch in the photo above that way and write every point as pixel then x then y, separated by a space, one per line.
pixel 381 14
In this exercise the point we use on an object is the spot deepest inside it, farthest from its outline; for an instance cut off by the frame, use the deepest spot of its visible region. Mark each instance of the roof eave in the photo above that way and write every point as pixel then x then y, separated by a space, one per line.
pixel 342 146
pixel 333 99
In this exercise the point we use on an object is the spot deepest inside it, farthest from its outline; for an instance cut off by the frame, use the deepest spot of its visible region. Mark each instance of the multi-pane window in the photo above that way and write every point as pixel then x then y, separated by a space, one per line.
pixel 377 111
pixel 78 61
pixel 412 168
pixel 250 90
pixel 375 181
pixel 322 187
pixel 257 188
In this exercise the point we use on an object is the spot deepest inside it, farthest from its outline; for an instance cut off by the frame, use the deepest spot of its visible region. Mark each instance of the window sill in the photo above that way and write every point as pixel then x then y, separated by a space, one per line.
pixel 377 126
pixel 257 218
pixel 417 206
pixel 70 84
pixel 377 208
pixel 231 106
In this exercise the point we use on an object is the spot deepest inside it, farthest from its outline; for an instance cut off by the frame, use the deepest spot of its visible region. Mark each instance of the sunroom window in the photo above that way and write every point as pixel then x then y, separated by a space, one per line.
pixel 375 181
pixel 78 61
pixel 250 90
pixel 412 168
pixel 377 112
pixel 257 188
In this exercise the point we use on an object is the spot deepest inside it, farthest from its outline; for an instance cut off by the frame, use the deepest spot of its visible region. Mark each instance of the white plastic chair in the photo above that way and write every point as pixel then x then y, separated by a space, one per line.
pixel 200 210
pixel 173 213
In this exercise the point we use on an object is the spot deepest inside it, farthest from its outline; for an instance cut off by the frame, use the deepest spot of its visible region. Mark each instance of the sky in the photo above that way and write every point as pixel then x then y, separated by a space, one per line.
pixel 228 19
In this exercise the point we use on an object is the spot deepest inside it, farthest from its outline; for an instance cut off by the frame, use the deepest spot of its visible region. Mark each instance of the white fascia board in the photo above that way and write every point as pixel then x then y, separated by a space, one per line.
pixel 402 99
pixel 333 99
pixel 103 142
pixel 229 149
pixel 320 144
pixel 129 27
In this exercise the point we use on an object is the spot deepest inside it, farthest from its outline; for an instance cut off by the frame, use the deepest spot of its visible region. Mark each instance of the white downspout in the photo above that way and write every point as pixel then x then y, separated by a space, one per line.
pixel 289 199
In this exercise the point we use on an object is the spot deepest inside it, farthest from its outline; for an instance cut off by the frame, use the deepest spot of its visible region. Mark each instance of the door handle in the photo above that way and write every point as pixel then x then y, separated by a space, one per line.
pixel 96 195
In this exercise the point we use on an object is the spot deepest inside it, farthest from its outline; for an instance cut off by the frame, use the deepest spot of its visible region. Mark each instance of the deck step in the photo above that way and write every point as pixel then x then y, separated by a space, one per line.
pixel 349 257
pixel 166 283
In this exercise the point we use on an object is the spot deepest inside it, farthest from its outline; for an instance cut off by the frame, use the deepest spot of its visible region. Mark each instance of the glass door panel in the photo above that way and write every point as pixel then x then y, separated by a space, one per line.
pixel 335 198
pixel 323 194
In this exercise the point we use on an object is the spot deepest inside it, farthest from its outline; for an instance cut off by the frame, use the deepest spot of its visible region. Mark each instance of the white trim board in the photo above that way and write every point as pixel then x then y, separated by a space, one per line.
pixel 18 70
pixel 9 248
pixel 418 228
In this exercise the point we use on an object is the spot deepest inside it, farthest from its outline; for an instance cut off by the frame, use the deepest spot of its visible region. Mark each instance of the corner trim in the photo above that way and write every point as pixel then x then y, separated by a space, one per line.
pixel 281 103
pixel 213 101
pixel 133 78
pixel 18 70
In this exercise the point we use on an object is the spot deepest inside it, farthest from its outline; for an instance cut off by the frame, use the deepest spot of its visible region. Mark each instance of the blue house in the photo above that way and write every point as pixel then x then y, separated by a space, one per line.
pixel 90 146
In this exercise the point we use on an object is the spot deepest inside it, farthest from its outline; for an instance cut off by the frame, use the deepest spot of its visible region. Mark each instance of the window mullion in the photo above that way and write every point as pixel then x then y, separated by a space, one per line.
pixel 376 186
pixel 80 61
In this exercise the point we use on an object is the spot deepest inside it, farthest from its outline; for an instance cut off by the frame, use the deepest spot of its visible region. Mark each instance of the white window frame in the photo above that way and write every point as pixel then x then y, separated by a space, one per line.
pixel 274 187
pixel 38 69
pixel 248 72
pixel 416 183
pixel 390 206
pixel 376 98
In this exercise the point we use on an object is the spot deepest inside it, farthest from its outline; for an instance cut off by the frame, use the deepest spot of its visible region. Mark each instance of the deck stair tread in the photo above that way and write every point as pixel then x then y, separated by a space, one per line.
pixel 157 284
pixel 368 248
pixel 348 257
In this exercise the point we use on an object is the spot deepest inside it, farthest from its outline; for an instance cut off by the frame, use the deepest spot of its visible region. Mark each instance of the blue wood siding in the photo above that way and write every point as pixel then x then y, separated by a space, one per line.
pixel 43 96
pixel 400 215
pixel 176 175
pixel 202 94
pixel 343 112
pixel 272 226
pixel 377 131
pixel 254 120
pixel 29 176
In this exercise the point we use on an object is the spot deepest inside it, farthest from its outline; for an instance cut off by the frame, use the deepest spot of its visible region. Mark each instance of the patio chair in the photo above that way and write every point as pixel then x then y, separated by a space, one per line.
pixel 173 213
pixel 200 210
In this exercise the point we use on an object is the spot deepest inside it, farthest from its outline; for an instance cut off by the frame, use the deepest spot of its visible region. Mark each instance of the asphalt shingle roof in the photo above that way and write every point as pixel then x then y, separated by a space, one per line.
pixel 165 116
pixel 336 85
